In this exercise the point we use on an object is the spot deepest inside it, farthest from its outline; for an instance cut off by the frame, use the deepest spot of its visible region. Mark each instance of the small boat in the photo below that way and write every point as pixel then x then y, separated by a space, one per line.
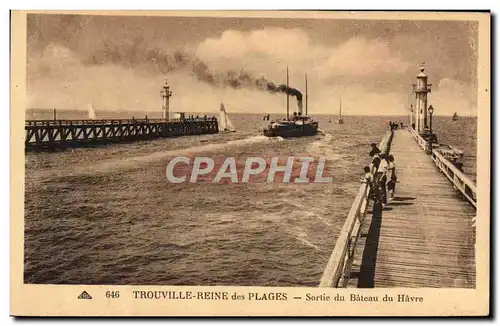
pixel 340 120
pixel 225 124
pixel 298 125
pixel 455 117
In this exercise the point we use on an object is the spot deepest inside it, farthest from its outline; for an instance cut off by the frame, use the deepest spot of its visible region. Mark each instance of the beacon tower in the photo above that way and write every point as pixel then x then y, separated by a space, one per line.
pixel 166 93
pixel 421 88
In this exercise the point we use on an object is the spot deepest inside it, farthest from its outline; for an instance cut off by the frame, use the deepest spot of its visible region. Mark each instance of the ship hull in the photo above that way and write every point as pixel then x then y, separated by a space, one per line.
pixel 296 132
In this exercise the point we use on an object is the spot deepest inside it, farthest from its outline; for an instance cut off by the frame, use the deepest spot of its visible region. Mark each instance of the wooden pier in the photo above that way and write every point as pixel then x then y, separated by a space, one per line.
pixel 51 135
pixel 424 238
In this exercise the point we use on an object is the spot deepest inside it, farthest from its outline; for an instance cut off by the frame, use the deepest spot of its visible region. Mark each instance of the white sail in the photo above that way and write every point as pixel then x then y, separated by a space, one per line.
pixel 229 124
pixel 222 118
pixel 225 123
pixel 91 112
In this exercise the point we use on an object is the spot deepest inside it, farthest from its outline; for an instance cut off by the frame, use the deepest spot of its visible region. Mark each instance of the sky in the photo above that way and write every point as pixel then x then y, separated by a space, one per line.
pixel 120 63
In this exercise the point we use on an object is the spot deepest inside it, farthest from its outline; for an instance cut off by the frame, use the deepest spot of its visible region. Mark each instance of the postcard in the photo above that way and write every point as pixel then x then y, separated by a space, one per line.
pixel 250 163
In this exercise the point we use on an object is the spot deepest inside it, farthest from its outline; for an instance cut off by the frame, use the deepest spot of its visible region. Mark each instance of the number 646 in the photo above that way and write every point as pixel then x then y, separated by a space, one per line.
pixel 112 294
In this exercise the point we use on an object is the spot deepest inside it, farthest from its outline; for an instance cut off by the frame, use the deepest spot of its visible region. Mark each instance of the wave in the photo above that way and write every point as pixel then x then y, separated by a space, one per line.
pixel 325 147
pixel 307 243
pixel 300 235
pixel 135 161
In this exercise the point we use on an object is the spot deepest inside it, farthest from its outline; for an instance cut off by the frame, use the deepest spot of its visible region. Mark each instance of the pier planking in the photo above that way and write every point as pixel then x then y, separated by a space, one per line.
pixel 426 237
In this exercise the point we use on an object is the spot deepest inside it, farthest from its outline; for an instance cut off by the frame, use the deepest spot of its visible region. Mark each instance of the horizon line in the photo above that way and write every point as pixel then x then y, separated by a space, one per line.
pixel 238 112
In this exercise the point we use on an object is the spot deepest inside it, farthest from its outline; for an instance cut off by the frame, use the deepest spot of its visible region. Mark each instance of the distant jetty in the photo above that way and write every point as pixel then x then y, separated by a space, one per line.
pixel 53 135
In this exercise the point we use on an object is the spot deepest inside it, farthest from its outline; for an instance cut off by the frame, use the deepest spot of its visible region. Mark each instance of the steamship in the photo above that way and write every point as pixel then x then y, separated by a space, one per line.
pixel 298 125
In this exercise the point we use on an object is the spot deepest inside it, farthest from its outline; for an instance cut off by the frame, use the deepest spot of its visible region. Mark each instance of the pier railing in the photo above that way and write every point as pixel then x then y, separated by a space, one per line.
pixel 71 122
pixel 424 145
pixel 459 180
pixel 338 268
pixel 58 134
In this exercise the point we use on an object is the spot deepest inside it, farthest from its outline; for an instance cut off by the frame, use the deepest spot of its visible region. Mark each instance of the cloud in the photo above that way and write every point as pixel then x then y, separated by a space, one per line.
pixel 451 95
pixel 62 78
pixel 53 61
pixel 285 44
pixel 261 50
pixel 360 57
pixel 58 78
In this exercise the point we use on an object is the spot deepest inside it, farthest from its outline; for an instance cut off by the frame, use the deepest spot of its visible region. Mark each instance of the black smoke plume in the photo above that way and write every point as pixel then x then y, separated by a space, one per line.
pixel 231 78
pixel 136 53
pixel 271 87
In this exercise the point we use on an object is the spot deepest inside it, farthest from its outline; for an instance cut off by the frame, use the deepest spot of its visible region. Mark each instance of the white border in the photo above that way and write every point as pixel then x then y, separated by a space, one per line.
pixel 185 4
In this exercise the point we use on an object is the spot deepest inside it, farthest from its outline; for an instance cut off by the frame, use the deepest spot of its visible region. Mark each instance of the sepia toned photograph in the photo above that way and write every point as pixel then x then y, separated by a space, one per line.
pixel 268 151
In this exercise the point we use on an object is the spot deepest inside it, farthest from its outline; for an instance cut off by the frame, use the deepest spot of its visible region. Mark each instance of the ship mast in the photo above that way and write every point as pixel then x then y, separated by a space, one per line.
pixel 340 110
pixel 287 97
pixel 306 94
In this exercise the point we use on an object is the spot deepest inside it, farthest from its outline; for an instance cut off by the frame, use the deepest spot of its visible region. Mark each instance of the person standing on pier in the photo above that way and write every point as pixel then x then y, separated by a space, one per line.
pixel 368 177
pixel 374 150
pixel 374 189
pixel 382 178
pixel 391 177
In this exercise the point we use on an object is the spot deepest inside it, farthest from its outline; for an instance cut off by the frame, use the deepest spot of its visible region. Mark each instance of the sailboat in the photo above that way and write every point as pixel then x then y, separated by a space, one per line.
pixel 91 112
pixel 225 123
pixel 455 116
pixel 340 120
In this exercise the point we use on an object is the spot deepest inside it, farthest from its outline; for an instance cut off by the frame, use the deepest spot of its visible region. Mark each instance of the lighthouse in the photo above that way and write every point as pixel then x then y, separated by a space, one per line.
pixel 421 88
pixel 165 94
